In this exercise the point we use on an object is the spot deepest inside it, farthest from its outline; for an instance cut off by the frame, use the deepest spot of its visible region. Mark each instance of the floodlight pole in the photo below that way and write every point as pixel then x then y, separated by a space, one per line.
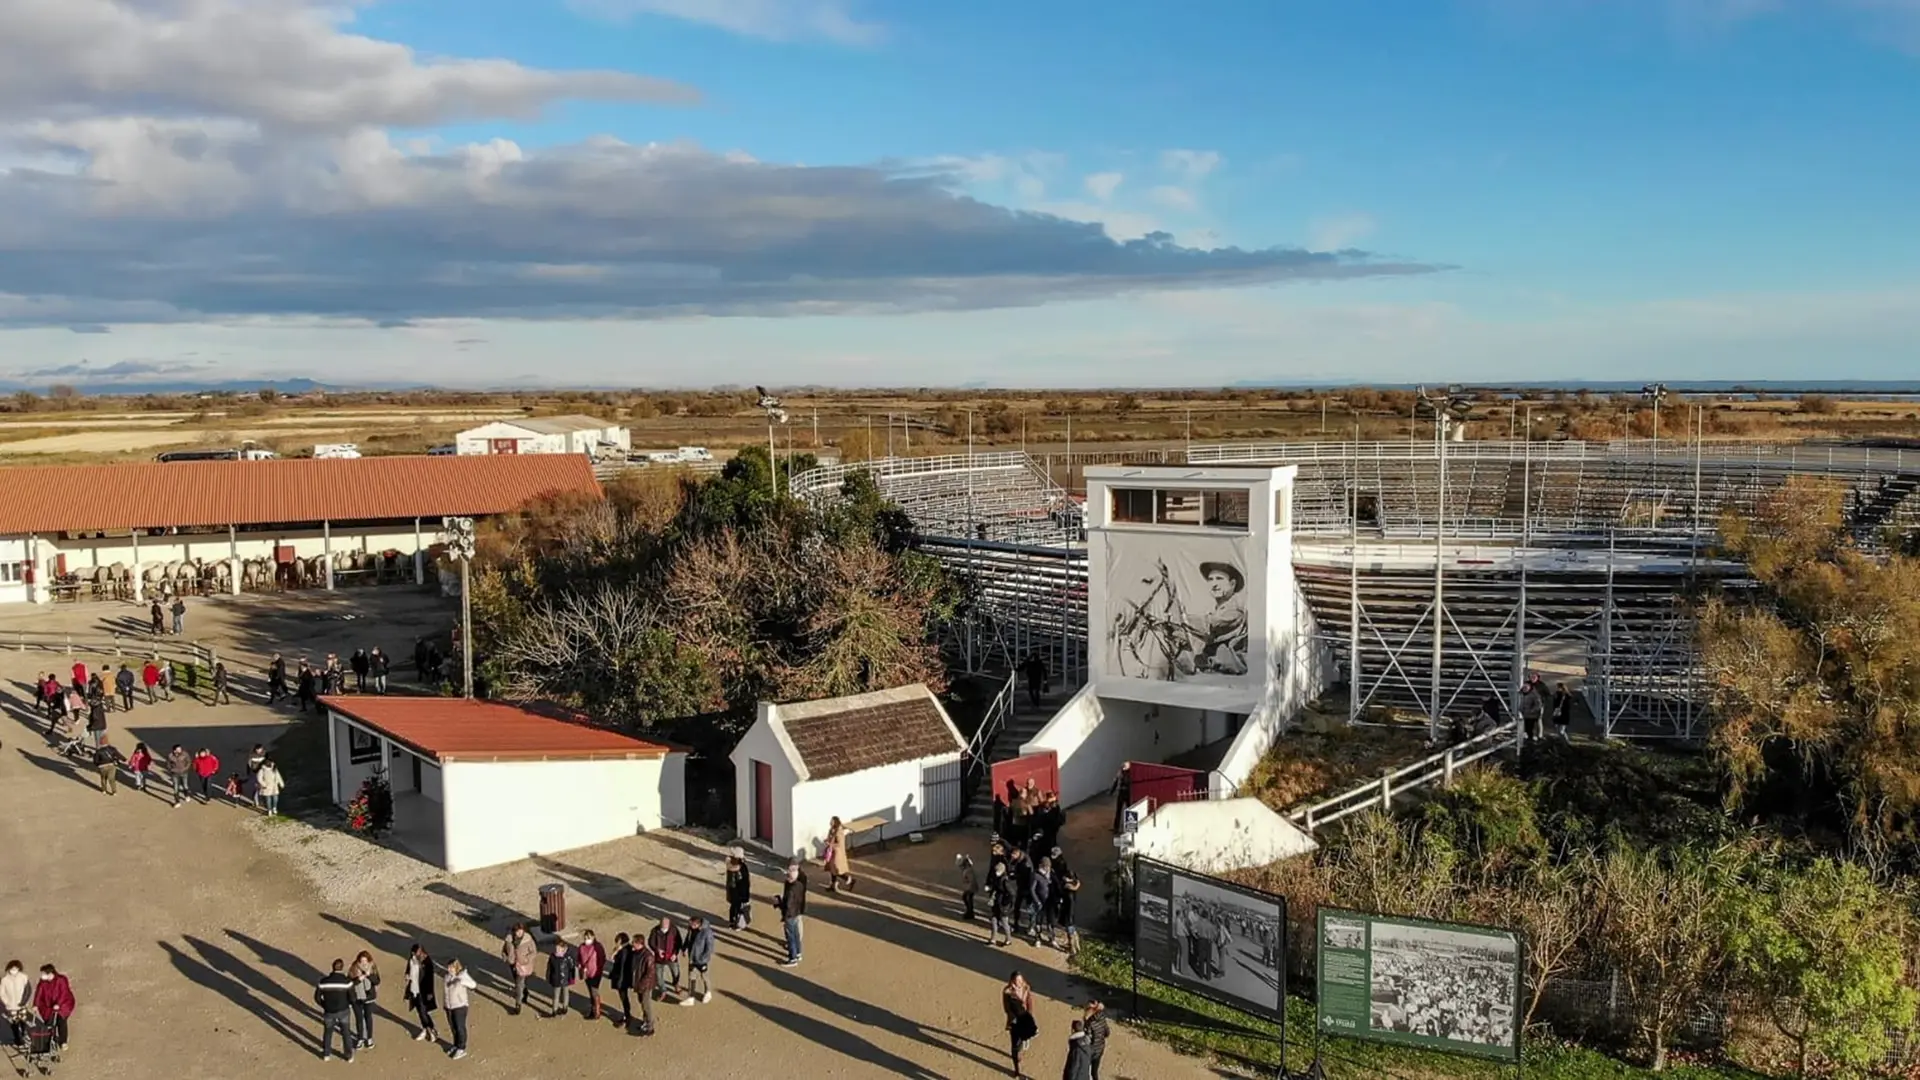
pixel 773 463
pixel 1440 423
pixel 466 628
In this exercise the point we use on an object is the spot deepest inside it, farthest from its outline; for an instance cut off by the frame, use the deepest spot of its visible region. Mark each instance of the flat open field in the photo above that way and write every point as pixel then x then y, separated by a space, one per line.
pixel 193 935
pixel 860 423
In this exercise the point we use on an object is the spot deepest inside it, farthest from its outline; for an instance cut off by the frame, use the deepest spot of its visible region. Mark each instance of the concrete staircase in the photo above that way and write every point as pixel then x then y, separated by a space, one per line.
pixel 1024 723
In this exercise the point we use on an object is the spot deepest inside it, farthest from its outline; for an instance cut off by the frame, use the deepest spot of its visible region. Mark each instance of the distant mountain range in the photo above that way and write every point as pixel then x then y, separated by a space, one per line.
pixel 13 384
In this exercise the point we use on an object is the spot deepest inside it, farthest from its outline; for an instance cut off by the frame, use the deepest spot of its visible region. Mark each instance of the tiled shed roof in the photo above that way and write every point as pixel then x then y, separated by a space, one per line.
pixel 79 498
pixel 845 735
pixel 456 729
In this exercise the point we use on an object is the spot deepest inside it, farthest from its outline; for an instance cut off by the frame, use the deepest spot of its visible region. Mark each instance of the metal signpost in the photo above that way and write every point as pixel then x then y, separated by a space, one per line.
pixel 1451 987
pixel 1211 937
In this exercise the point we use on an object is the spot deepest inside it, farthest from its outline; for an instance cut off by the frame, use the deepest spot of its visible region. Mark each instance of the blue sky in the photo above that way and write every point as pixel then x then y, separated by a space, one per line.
pixel 687 192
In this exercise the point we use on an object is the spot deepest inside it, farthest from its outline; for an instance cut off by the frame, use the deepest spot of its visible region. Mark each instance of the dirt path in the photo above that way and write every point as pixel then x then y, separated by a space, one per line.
pixel 193 936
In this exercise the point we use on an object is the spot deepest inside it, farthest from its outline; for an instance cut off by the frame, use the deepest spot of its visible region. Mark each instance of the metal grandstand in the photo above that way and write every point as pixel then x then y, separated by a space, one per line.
pixel 1583 559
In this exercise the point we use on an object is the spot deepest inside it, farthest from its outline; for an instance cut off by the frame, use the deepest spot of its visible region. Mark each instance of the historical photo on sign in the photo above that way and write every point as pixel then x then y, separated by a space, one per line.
pixel 1343 934
pixel 1438 983
pixel 1227 942
pixel 1178 608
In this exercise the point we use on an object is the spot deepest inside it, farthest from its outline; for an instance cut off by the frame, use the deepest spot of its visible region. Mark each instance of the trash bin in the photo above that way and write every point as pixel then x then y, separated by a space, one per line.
pixel 553 908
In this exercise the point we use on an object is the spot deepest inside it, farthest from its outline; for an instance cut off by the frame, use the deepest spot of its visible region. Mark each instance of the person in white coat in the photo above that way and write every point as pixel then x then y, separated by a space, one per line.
pixel 16 1000
pixel 453 999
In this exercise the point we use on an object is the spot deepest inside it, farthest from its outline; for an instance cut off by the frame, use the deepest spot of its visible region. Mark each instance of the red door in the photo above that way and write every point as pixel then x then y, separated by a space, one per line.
pixel 763 802
pixel 503 446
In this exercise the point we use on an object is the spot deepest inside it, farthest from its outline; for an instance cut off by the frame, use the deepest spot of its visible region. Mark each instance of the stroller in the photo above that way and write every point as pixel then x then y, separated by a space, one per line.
pixel 36 1050
pixel 70 741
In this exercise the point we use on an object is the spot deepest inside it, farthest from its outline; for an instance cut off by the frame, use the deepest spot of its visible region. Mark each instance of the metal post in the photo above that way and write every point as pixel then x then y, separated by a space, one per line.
pixel 1439 575
pixel 1699 439
pixel 889 432
pixel 1606 648
pixel 1189 434
pixel 419 556
pixel 466 627
pixel 1353 581
pixel 139 579
pixel 1520 618
pixel 773 465
pixel 233 560
pixel 333 755
pixel 326 550
pixel 1070 457
pixel 816 429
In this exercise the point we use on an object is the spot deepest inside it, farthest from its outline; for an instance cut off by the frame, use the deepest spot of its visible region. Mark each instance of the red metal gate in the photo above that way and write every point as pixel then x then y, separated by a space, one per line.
pixel 1163 783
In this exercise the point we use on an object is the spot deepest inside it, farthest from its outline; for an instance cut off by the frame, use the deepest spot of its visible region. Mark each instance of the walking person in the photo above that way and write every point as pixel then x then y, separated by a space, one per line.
pixel 646 979
pixel 334 995
pixel 1562 712
pixel 593 968
pixel 969 883
pixel 139 764
pixel 16 1001
pixel 179 768
pixel 519 951
pixel 359 665
pixel 156 618
pixel 106 762
pixel 307 682
pixel 620 976
pixel 220 695
pixel 123 684
pixel 97 721
pixel 166 680
pixel 80 679
pixel 561 970
pixel 276 679
pixel 458 986
pixel 999 906
pixel 206 767
pixel 53 1004
pixel 1533 707
pixel 254 761
pixel 419 992
pixel 1079 1063
pixel 739 890
pixel 699 950
pixel 1035 670
pixel 835 858
pixel 1040 903
pixel 1065 889
pixel 792 903
pixel 270 784
pixel 664 941
pixel 179 610
pixel 378 665
pixel 366 990
pixel 150 678
pixel 1016 998
pixel 1096 1025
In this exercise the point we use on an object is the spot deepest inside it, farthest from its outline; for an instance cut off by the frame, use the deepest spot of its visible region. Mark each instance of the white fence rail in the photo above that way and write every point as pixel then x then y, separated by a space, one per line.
pixel 1439 768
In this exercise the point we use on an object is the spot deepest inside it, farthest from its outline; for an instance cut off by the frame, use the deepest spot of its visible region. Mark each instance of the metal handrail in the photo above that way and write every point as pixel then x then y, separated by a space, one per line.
pixel 991 723
pixel 1380 793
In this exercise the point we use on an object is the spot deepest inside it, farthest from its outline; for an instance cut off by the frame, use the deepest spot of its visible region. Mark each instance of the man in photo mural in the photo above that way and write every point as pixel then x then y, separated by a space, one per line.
pixel 1222 631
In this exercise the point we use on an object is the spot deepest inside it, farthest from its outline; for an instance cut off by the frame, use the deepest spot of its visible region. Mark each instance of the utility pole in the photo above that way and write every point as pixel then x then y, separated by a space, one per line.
pixel 459 541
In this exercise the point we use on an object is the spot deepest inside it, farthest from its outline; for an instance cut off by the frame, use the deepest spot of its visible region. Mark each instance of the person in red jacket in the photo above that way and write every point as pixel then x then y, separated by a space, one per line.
pixel 205 766
pixel 150 678
pixel 80 677
pixel 53 1003
pixel 593 965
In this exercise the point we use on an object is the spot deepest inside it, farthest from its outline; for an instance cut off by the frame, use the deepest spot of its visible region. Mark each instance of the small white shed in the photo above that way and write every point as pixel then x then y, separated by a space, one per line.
pixel 478 783
pixel 890 754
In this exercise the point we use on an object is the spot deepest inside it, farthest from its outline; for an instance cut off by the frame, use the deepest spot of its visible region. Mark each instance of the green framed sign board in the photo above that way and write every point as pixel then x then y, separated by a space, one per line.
pixel 1451 987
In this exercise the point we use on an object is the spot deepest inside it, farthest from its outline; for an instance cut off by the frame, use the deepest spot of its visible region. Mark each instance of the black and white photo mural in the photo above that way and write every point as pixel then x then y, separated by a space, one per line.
pixel 1178 609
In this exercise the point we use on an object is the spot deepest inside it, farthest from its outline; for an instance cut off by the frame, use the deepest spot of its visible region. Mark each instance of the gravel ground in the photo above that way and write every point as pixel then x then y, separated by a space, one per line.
pixel 193 935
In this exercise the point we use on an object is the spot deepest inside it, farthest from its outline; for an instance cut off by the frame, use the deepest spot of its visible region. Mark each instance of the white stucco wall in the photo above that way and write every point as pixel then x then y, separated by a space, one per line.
pixel 760 744
pixel 1216 835
pixel 499 812
pixel 1094 735
pixel 673 789
pixel 213 547
pixel 890 791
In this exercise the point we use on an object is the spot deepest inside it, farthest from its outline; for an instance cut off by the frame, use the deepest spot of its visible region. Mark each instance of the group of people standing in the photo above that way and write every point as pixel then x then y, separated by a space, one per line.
pixel 347 992
pixel 1086 1037
pixel 178 609
pixel 370 669
pixel 36 1009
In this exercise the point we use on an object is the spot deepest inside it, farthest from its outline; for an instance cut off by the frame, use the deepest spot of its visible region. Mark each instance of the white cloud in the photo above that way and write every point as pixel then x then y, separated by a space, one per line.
pixel 776 20
pixel 1191 165
pixel 1174 198
pixel 1339 233
pixel 283 63
pixel 1102 185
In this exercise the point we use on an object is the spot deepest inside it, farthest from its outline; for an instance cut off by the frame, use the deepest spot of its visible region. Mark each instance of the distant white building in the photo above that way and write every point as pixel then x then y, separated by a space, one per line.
pixel 891 755
pixel 545 435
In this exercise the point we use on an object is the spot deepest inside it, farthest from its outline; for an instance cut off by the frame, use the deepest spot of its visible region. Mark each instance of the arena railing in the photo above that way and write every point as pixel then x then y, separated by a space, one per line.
pixel 1379 794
